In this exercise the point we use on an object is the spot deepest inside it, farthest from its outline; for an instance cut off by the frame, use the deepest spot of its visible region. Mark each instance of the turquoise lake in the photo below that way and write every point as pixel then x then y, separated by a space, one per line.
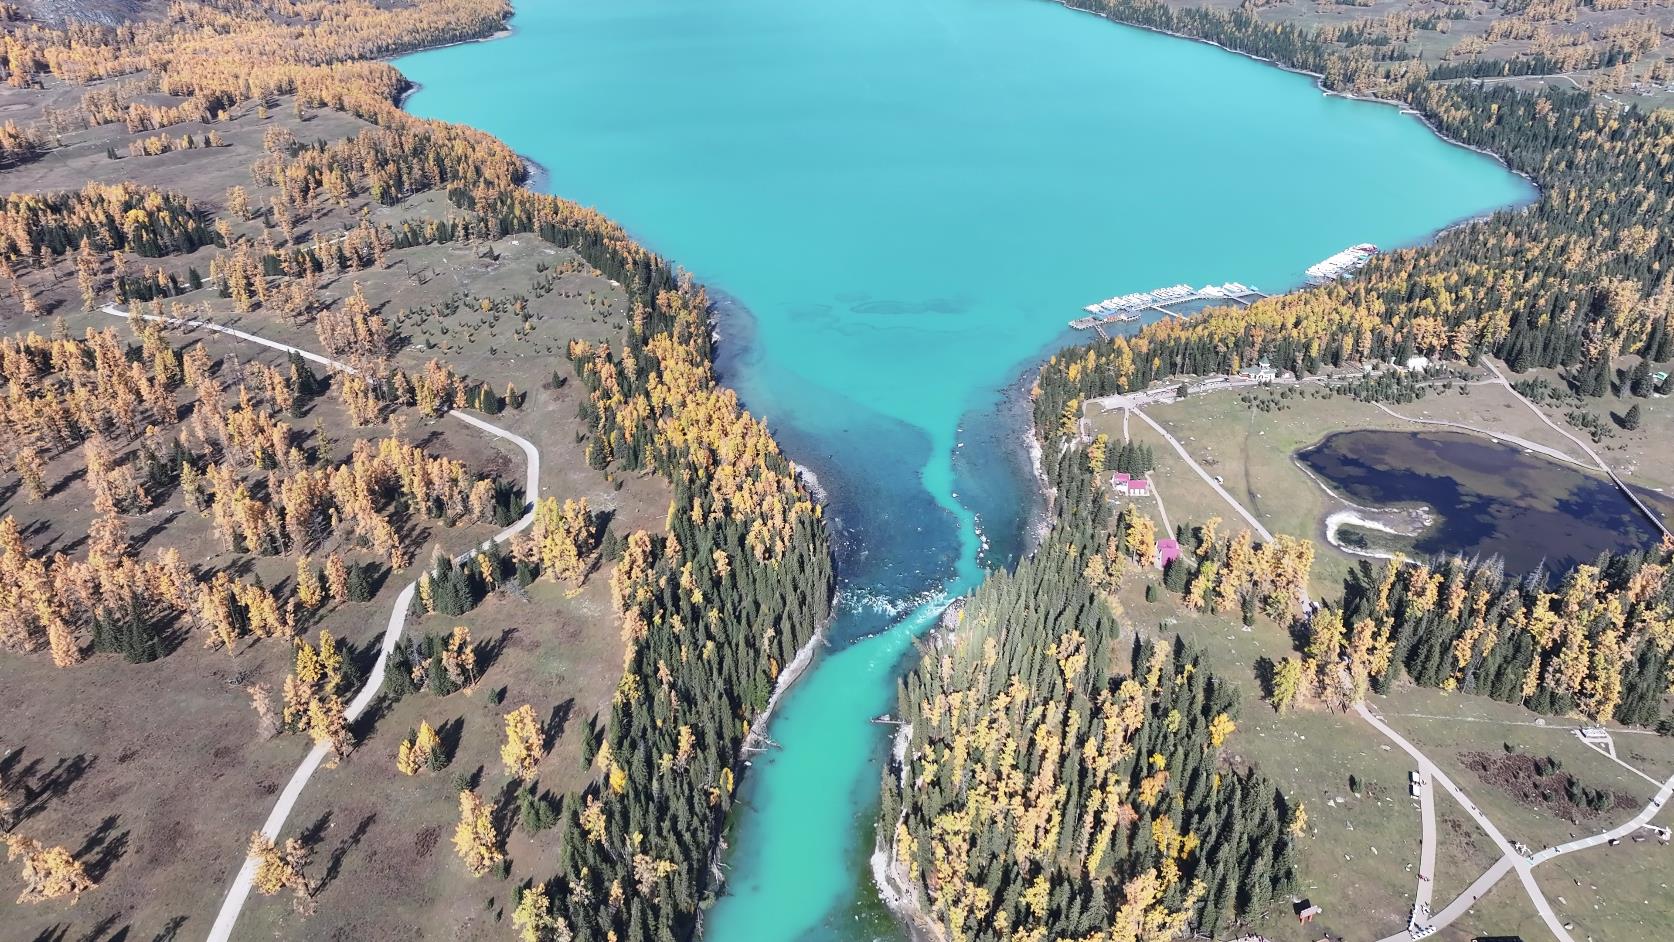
pixel 900 204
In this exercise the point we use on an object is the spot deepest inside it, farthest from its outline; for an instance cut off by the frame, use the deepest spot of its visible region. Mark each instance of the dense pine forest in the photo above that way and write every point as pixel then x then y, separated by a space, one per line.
pixel 1063 777
pixel 712 612
pixel 1597 645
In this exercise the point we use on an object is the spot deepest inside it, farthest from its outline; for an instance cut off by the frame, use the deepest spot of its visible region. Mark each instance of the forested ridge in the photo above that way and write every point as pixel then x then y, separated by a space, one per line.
pixel 712 611
pixel 1063 778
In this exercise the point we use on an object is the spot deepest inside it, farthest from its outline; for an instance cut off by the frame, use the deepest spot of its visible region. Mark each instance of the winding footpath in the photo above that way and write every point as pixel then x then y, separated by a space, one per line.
pixel 1508 853
pixel 233 904
pixel 1522 443
pixel 1511 859
pixel 1426 848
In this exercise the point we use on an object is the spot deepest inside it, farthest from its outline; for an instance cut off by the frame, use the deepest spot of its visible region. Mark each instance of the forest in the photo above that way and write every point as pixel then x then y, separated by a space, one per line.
pixel 1597 644
pixel 712 610
pixel 1078 792
pixel 1063 777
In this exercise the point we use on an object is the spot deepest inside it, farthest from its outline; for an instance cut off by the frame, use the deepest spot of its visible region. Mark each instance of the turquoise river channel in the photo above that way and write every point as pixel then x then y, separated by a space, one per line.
pixel 899 204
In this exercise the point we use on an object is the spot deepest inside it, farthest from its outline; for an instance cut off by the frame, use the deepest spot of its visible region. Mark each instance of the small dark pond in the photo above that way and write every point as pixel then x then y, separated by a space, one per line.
pixel 1488 499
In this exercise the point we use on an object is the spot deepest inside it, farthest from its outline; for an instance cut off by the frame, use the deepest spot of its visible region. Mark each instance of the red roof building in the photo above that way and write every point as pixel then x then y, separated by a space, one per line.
pixel 1167 551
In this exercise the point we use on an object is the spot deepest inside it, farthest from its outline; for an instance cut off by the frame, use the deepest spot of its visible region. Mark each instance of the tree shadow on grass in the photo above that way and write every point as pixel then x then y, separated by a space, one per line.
pixel 451 733
pixel 39 786
pixel 150 533
pixel 314 833
pixel 64 482
pixel 556 722
pixel 361 729
pixel 170 931
pixel 488 651
pixel 505 806
pixel 102 931
pixel 103 848
pixel 334 865
pixel 1264 671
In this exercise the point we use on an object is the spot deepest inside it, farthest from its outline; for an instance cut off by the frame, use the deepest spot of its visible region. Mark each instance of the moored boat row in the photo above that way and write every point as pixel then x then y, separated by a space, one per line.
pixel 1344 263
pixel 1127 307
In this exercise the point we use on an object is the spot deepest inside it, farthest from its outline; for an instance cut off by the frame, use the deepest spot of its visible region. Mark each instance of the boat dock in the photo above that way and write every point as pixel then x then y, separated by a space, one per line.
pixel 1342 264
pixel 1130 307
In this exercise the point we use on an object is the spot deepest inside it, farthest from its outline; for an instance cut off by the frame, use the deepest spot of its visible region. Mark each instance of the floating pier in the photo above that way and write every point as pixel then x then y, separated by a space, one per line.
pixel 1343 264
pixel 1130 307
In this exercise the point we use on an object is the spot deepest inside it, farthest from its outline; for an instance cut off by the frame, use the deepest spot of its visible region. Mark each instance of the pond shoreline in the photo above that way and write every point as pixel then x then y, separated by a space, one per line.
pixel 1458 493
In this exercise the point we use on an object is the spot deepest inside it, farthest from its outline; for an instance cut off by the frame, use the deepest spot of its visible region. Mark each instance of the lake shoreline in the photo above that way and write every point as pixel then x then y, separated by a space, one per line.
pixel 1319 82
pixel 1016 434
pixel 1455 493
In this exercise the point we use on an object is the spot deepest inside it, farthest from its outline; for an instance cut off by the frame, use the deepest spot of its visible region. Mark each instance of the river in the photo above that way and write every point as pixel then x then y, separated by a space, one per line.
pixel 902 202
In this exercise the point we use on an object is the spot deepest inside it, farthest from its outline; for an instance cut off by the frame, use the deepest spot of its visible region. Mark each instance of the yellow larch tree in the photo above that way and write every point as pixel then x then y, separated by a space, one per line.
pixel 280 868
pixel 474 839
pixel 48 872
pixel 525 743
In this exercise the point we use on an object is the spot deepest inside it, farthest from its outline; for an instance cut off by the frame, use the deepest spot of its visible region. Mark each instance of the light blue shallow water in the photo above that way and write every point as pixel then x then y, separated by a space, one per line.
pixel 904 201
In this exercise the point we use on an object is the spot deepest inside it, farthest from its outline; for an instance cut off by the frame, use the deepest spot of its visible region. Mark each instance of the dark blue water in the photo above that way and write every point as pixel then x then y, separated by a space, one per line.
pixel 1490 499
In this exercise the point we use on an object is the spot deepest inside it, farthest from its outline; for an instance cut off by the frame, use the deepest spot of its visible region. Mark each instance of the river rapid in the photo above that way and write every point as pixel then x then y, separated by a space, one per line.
pixel 900 204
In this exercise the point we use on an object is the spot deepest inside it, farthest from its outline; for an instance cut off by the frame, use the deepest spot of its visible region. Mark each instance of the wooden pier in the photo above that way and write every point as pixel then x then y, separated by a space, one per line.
pixel 1133 305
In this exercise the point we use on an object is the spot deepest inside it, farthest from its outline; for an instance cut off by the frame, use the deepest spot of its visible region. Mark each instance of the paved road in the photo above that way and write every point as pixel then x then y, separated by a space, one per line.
pixel 233 904
pixel 1145 397
pixel 1622 830
pixel 1508 853
pixel 1426 849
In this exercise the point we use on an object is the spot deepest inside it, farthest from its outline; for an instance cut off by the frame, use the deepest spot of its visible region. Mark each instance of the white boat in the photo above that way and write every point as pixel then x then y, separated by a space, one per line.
pixel 1346 262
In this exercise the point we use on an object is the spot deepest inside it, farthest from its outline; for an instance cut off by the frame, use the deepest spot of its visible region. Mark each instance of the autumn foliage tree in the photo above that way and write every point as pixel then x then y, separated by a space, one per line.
pixel 525 743
pixel 281 868
pixel 475 839
pixel 1062 781
pixel 48 873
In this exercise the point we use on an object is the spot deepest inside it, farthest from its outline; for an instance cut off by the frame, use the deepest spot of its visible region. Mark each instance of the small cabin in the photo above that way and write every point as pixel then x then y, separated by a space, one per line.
pixel 1167 551
pixel 1417 364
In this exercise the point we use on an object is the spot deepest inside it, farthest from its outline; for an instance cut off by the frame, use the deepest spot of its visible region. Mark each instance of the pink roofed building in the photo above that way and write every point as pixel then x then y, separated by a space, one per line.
pixel 1167 551
pixel 1138 487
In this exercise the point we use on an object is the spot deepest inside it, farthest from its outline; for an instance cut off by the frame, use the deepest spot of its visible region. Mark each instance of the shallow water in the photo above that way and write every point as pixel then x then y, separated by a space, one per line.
pixel 904 202
pixel 1489 499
